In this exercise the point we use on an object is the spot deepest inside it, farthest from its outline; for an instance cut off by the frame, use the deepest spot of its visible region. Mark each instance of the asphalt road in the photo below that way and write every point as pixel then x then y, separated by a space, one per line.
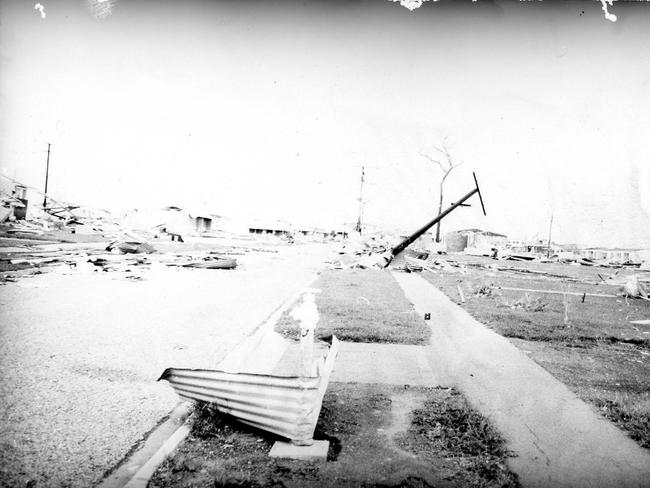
pixel 80 354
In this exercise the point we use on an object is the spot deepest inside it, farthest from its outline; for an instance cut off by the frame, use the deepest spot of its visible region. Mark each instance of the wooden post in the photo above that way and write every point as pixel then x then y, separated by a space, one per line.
pixel 307 314
pixel 460 292
pixel 306 349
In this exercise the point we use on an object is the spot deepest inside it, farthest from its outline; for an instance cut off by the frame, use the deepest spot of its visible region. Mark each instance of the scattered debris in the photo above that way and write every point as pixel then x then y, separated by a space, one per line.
pixel 363 300
pixel 34 261
pixel 338 264
pixel 133 277
pixel 634 289
pixel 371 260
pixel 413 264
pixel 417 254
pixel 485 290
pixel 560 292
pixel 130 247
pixel 212 262
pixel 530 305
pixel 518 257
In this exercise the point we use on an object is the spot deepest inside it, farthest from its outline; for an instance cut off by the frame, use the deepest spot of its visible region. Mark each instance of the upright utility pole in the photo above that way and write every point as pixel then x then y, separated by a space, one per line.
pixel 359 226
pixel 47 174
pixel 550 227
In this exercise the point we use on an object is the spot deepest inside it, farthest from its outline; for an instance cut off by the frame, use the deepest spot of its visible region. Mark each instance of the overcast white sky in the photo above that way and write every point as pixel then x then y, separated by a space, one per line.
pixel 270 109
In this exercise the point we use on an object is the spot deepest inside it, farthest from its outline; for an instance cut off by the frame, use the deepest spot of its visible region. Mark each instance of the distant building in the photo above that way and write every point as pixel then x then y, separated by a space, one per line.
pixel 320 233
pixel 274 227
pixel 203 223
pixel 460 240
pixel 14 205
pixel 281 228
pixel 531 247
pixel 20 211
pixel 172 220
pixel 613 256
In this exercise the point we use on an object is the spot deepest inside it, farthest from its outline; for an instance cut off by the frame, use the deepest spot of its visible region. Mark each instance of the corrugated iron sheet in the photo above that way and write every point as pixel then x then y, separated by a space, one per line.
pixel 285 405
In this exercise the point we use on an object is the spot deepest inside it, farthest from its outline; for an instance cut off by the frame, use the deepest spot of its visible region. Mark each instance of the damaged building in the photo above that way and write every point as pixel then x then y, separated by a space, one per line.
pixel 173 220
pixel 473 239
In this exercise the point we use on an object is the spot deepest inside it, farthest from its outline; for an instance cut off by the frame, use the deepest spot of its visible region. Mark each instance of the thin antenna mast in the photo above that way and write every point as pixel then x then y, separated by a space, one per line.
pixel 550 228
pixel 359 224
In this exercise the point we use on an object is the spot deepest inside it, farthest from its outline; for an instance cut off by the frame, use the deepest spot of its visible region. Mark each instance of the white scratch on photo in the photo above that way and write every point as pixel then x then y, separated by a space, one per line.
pixel 608 16
pixel 101 8
pixel 41 9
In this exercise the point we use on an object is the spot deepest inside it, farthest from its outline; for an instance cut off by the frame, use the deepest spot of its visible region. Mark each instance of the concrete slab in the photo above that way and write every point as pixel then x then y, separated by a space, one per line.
pixel 560 441
pixel 393 364
pixel 316 452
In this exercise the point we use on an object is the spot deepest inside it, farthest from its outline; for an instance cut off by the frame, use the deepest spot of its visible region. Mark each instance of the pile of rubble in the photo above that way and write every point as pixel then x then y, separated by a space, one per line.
pixel 130 256
pixel 58 223
pixel 634 287
pixel 363 253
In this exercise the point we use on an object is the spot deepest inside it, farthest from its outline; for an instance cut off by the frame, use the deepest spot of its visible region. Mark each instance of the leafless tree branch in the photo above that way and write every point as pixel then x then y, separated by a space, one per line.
pixel 446 168
pixel 433 161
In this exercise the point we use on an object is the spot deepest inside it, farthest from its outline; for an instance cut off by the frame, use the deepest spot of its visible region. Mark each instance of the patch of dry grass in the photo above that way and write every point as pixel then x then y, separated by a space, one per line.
pixel 631 412
pixel 590 346
pixel 459 429
pixel 542 316
pixel 362 306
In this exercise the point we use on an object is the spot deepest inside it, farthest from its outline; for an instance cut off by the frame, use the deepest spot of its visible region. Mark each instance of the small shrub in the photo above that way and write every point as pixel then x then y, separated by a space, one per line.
pixel 484 290
pixel 530 305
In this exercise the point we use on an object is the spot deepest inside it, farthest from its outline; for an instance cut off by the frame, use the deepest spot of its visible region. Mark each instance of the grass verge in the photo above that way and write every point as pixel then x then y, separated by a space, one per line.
pixel 438 440
pixel 589 345
pixel 630 412
pixel 361 306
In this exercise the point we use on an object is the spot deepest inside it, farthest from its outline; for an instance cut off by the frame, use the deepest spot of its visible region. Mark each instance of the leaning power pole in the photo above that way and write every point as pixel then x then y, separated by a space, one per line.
pixel 359 225
pixel 47 174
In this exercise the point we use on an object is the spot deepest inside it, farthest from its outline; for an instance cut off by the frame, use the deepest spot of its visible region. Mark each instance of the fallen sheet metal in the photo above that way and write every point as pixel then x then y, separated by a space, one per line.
pixel 285 405
pixel 130 247
pixel 213 263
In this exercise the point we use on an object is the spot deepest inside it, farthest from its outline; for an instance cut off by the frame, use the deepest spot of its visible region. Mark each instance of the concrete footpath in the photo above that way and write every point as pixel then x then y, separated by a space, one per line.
pixel 559 440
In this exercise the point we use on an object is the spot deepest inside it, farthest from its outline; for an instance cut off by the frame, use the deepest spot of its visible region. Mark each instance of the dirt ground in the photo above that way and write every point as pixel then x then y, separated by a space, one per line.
pixel 80 351
pixel 379 436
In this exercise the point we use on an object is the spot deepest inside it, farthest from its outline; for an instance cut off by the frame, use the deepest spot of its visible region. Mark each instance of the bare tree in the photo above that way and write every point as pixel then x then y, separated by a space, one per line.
pixel 446 163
